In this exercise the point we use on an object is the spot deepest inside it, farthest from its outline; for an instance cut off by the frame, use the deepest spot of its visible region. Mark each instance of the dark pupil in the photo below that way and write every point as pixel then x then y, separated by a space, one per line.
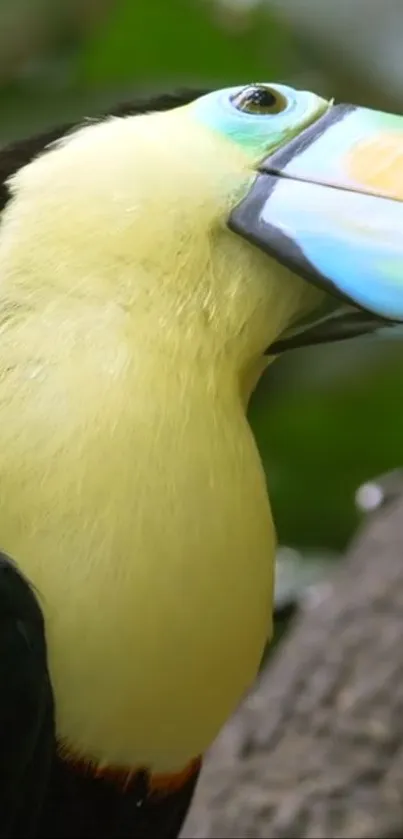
pixel 260 97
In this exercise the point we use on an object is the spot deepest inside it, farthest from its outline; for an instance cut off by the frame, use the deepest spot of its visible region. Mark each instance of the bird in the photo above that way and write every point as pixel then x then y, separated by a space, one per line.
pixel 142 296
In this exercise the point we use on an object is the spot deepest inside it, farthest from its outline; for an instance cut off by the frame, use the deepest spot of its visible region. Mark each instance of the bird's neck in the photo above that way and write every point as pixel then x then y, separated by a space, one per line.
pixel 147 531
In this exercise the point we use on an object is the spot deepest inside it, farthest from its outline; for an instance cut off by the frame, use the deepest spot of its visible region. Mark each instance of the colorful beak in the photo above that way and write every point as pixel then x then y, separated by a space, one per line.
pixel 329 206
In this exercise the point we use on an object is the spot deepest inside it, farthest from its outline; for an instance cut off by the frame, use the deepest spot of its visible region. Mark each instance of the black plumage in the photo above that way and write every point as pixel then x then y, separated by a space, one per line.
pixel 27 740
pixel 81 805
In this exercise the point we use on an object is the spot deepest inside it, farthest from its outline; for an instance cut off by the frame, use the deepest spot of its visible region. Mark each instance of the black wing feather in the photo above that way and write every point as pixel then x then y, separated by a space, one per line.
pixel 26 706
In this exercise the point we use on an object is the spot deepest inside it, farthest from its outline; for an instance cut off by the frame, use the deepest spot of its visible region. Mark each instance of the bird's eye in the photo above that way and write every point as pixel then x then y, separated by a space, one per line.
pixel 259 99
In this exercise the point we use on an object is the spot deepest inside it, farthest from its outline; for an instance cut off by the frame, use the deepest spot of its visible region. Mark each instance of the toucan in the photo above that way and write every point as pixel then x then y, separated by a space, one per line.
pixel 153 262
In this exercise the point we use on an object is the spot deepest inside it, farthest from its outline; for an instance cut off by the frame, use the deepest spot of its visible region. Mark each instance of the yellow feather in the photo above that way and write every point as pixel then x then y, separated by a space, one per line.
pixel 132 327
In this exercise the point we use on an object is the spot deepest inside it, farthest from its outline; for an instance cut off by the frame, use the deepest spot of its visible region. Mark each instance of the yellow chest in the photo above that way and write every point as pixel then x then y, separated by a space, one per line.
pixel 151 550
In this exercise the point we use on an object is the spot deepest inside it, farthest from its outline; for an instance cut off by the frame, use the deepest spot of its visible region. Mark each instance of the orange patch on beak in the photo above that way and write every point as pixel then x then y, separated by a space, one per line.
pixel 377 163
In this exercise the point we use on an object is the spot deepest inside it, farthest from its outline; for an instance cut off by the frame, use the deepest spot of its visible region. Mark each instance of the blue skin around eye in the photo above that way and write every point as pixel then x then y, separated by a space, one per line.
pixel 257 131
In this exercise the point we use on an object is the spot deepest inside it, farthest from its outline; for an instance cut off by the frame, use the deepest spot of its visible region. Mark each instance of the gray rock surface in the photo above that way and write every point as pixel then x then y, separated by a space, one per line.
pixel 317 748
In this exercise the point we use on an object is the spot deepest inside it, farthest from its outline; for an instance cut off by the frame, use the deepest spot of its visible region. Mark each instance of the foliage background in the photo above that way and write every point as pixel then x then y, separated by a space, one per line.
pixel 326 420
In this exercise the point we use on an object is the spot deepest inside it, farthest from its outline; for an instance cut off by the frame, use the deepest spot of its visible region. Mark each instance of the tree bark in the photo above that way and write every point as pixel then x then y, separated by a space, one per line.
pixel 317 749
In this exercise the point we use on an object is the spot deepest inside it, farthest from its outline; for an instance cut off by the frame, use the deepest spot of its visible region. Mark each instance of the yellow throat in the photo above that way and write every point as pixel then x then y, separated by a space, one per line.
pixel 132 494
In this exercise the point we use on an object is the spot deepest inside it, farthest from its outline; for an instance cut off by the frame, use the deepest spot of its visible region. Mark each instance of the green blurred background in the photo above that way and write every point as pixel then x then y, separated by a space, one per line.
pixel 326 420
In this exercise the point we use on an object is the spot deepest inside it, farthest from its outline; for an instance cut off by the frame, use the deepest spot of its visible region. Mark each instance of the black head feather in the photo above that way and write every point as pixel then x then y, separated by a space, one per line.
pixel 18 154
